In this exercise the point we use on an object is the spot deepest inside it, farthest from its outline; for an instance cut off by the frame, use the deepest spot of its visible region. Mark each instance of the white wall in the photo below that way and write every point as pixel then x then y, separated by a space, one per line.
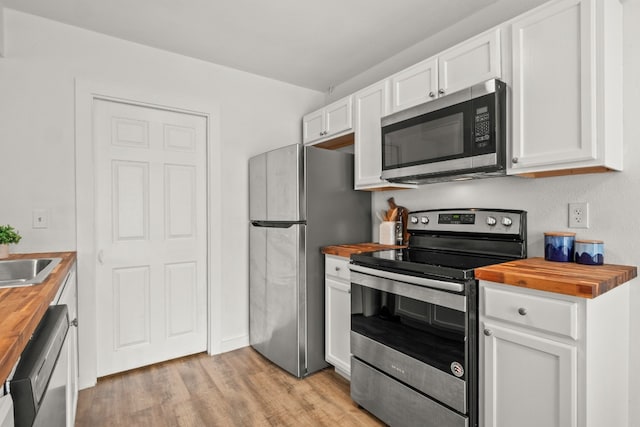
pixel 1 30
pixel 37 75
pixel 614 198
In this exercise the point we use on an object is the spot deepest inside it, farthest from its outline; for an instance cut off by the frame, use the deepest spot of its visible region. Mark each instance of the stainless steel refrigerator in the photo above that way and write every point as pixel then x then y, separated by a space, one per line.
pixel 300 199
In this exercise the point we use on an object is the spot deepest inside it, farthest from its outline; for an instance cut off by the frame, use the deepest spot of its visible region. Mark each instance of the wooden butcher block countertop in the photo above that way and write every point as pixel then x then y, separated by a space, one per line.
pixel 356 248
pixel 21 309
pixel 568 278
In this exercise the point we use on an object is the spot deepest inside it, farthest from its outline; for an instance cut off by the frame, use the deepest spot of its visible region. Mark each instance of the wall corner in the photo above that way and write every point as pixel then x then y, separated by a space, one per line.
pixel 2 31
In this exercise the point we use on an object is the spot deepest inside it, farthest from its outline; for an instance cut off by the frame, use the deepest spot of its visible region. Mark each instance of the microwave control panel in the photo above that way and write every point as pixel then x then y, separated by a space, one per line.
pixel 482 126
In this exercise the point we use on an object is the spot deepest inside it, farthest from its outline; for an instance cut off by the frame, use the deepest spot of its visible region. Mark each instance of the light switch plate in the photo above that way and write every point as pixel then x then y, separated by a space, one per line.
pixel 40 218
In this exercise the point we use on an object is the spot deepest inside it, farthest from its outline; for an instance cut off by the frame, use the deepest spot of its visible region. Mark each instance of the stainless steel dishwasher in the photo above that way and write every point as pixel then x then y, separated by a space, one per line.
pixel 39 385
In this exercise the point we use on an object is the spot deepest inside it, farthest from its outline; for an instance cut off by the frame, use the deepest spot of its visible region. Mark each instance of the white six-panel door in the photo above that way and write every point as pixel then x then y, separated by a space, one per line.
pixel 151 234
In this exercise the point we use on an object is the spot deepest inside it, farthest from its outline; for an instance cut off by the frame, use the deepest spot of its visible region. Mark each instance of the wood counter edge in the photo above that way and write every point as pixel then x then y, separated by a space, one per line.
pixel 517 273
pixel 13 340
pixel 346 250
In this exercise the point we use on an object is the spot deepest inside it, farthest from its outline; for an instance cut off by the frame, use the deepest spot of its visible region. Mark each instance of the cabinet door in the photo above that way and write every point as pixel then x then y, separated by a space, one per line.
pixel 553 110
pixel 371 105
pixel 337 324
pixel 339 116
pixel 529 381
pixel 69 297
pixel 470 63
pixel 415 85
pixel 313 126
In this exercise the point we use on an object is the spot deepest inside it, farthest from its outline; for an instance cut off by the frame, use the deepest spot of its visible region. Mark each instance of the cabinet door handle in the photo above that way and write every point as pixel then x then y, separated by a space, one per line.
pixel 101 257
pixel 441 91
pixel 488 332
pixel 522 311
pixel 337 268
pixel 432 95
pixel 74 322
pixel 514 160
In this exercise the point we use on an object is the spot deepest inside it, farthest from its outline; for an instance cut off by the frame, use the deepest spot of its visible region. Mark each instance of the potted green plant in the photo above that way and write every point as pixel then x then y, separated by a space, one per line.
pixel 8 236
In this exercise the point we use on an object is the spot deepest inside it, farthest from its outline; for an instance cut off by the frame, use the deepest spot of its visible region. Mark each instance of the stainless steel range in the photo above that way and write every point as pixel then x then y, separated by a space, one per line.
pixel 414 321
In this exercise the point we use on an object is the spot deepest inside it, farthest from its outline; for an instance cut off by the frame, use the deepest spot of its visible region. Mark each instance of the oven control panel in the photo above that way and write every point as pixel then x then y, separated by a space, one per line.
pixel 498 221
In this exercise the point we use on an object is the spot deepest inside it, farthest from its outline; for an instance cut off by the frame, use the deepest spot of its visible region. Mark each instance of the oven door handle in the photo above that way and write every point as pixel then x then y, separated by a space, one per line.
pixel 422 281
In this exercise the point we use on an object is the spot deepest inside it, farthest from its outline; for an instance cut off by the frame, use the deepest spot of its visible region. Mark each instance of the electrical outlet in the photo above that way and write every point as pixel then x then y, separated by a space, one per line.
pixel 579 215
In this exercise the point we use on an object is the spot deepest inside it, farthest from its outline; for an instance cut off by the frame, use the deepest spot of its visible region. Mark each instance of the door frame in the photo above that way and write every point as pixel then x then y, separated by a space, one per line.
pixel 144 95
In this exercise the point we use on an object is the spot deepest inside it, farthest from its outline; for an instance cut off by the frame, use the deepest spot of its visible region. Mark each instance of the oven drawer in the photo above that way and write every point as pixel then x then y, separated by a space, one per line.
pixel 396 404
pixel 336 266
pixel 547 314
pixel 425 378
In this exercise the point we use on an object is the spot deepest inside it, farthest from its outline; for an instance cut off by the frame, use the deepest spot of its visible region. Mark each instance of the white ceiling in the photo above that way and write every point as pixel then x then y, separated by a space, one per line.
pixel 310 43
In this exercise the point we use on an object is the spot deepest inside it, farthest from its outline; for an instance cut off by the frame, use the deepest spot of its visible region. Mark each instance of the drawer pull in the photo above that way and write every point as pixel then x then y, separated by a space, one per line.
pixel 337 268
pixel 488 332
pixel 522 311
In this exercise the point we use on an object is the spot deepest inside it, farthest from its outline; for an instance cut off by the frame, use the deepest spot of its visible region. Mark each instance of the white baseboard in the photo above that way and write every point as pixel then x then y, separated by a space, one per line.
pixel 235 343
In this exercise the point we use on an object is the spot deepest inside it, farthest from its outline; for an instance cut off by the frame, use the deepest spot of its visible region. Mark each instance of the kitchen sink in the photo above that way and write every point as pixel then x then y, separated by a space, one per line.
pixel 26 272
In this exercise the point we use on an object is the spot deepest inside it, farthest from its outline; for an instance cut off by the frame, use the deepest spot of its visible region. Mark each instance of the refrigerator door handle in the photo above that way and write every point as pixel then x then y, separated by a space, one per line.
pixel 276 224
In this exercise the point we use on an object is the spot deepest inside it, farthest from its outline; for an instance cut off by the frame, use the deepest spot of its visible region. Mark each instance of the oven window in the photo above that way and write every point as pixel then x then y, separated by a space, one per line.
pixel 422 141
pixel 430 333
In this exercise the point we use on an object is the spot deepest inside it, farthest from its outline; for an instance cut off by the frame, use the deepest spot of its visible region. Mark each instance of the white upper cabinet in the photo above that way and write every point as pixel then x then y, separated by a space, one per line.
pixel 371 104
pixel 329 122
pixel 474 61
pixel 415 85
pixel 567 93
pixel 468 63
pixel 313 126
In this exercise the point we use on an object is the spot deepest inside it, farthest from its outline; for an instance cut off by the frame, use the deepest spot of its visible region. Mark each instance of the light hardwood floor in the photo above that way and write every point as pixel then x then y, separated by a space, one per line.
pixel 239 388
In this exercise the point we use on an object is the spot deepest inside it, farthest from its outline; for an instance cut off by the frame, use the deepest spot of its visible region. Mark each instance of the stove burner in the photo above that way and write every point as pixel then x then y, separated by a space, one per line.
pixel 424 262
pixel 453 249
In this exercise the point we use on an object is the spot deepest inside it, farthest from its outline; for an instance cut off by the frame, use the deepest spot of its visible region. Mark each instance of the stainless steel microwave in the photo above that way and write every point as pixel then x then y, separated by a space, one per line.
pixel 458 136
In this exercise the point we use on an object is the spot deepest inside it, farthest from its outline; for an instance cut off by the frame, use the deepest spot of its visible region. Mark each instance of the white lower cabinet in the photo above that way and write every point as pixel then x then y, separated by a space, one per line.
pixel 338 314
pixel 552 360
pixel 6 411
pixel 529 380
pixel 69 296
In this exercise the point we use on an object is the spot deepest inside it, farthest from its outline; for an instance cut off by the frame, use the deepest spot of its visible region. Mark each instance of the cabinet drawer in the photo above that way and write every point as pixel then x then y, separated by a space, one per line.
pixel 337 266
pixel 547 314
